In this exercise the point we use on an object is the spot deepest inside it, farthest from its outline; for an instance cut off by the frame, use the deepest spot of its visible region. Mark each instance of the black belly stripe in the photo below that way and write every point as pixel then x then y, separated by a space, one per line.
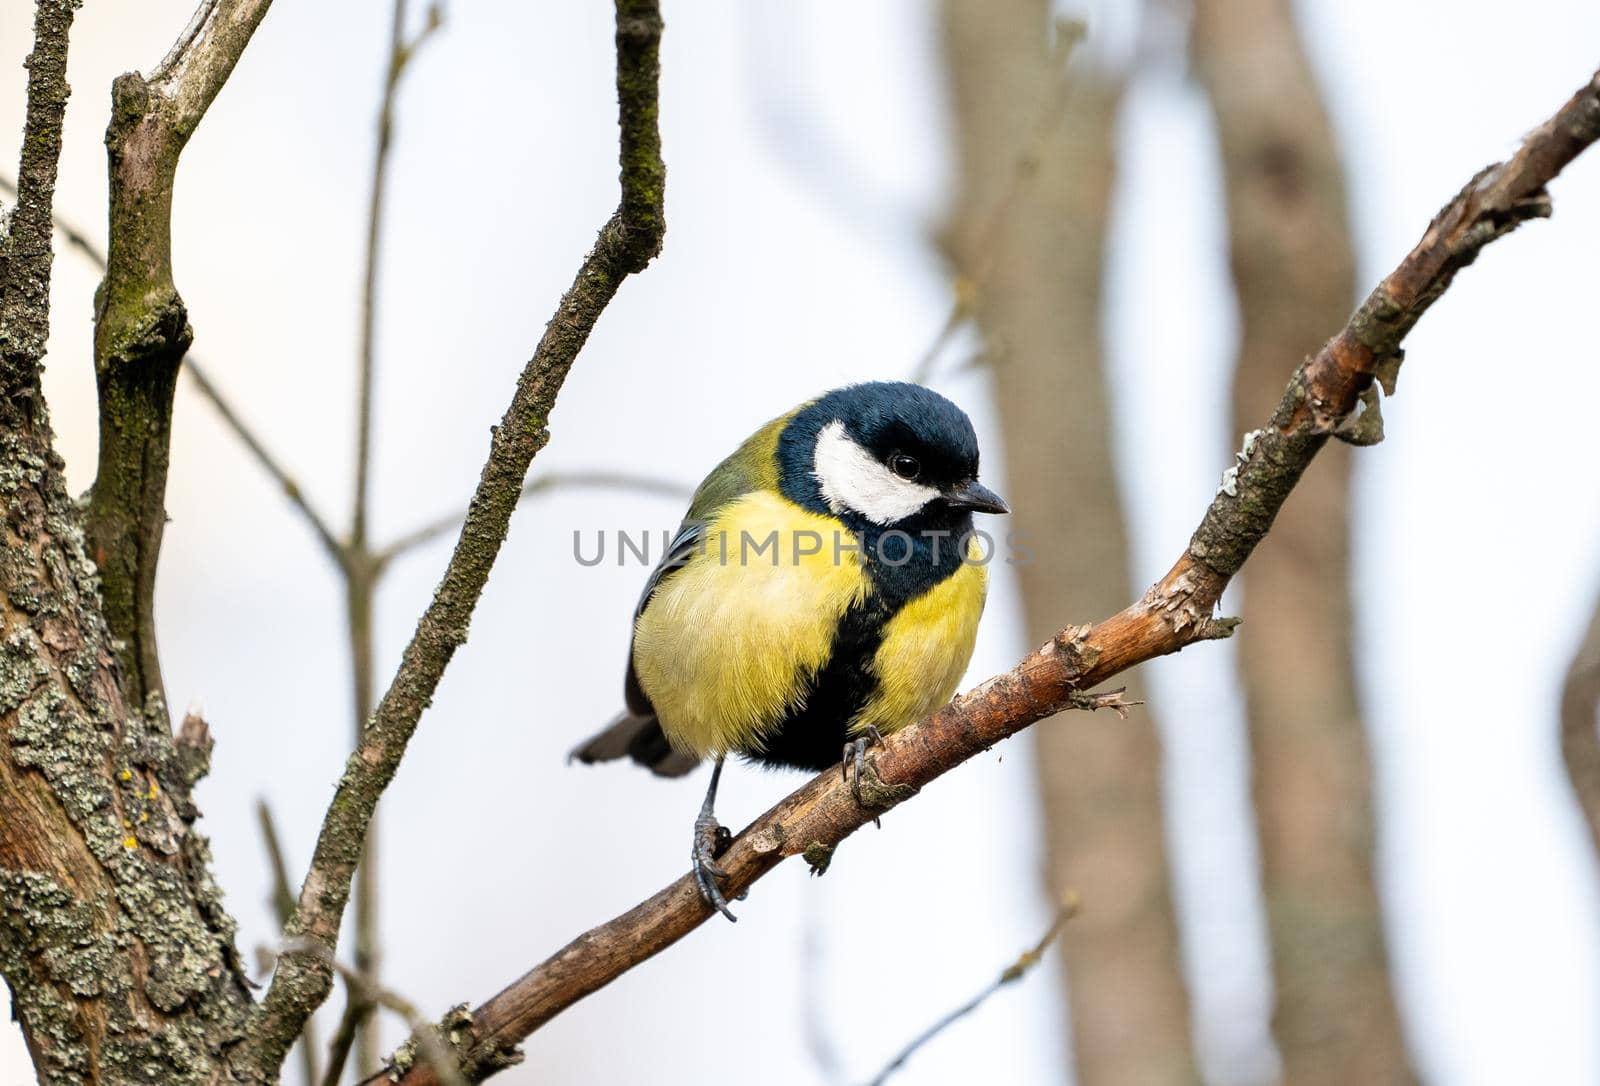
pixel 814 734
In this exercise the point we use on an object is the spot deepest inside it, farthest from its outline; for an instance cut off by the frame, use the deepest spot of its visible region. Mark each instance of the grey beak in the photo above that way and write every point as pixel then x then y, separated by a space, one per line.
pixel 975 496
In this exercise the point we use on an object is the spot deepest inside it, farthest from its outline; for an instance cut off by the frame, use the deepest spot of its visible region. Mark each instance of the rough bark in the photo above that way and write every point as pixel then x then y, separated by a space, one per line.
pixel 1330 394
pixel 113 940
pixel 1334 1016
pixel 1037 279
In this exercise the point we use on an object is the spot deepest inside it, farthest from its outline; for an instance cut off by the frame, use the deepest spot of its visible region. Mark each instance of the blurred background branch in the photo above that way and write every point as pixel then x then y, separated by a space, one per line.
pixel 1010 975
pixel 1293 265
pixel 1037 276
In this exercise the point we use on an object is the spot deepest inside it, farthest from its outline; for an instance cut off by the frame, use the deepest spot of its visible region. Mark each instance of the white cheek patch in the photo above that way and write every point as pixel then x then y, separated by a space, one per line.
pixel 851 478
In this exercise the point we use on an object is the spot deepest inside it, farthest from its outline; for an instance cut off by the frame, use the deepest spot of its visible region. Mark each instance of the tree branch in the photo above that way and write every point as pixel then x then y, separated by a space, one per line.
pixel 400 54
pixel 141 326
pixel 1039 302
pixel 1322 397
pixel 1009 975
pixel 629 240
pixel 113 940
pixel 26 254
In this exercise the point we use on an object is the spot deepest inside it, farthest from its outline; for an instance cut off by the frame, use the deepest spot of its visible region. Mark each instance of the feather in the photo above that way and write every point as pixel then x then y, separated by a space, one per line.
pixel 637 737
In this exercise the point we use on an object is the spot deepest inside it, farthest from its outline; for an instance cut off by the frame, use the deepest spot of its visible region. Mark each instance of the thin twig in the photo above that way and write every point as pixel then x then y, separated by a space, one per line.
pixel 1010 975
pixel 361 575
pixel 556 480
pixel 344 1036
pixel 1322 397
pixel 627 243
pixel 401 53
pixel 424 1034
pixel 427 1038
pixel 283 909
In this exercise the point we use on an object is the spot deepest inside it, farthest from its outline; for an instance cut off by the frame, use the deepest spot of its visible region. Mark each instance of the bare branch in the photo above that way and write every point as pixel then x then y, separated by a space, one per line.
pixel 1174 613
pixel 26 255
pixel 557 480
pixel 400 54
pixel 627 243
pixel 192 73
pixel 1580 740
pixel 1009 975
pixel 141 325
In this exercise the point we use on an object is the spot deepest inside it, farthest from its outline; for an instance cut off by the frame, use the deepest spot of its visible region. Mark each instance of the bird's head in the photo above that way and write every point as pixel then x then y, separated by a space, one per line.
pixel 886 454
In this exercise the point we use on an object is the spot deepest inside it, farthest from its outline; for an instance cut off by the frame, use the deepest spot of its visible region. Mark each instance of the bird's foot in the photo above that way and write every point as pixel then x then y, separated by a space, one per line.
pixel 855 754
pixel 870 790
pixel 711 840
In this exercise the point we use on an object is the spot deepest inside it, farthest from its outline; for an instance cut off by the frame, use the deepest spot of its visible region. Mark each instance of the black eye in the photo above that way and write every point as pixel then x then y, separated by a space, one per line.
pixel 905 466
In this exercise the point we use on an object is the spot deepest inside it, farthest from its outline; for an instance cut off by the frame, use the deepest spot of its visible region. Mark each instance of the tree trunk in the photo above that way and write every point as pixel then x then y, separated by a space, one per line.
pixel 1334 1018
pixel 1036 166
pixel 113 939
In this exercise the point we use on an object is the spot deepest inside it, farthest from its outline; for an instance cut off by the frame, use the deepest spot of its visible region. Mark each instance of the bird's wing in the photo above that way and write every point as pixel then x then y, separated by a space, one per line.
pixel 752 467
pixel 691 534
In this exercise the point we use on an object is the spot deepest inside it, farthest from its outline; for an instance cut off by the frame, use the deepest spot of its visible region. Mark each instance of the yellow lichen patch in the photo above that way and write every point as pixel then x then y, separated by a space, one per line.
pixel 130 842
pixel 125 775
pixel 154 791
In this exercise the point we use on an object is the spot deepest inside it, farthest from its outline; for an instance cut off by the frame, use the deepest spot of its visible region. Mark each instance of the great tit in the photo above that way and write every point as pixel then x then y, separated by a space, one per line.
pixel 822 591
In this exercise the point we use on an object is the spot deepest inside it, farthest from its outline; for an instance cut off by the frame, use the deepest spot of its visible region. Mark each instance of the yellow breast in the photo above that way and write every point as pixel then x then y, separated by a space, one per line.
pixel 726 647
pixel 926 648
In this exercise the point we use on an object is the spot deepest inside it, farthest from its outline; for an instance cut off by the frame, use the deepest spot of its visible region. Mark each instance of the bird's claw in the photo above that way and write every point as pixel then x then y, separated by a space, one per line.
pixel 711 839
pixel 855 754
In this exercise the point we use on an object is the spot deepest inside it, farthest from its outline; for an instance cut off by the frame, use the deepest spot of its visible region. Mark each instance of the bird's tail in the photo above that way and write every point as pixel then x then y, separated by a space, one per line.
pixel 638 737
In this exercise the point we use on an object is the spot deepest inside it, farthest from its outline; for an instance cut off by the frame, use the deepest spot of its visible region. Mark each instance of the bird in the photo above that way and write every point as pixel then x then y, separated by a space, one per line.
pixel 823 591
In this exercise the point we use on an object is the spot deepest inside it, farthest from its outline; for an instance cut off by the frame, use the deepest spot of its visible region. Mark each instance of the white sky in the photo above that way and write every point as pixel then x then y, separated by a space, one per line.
pixel 806 155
